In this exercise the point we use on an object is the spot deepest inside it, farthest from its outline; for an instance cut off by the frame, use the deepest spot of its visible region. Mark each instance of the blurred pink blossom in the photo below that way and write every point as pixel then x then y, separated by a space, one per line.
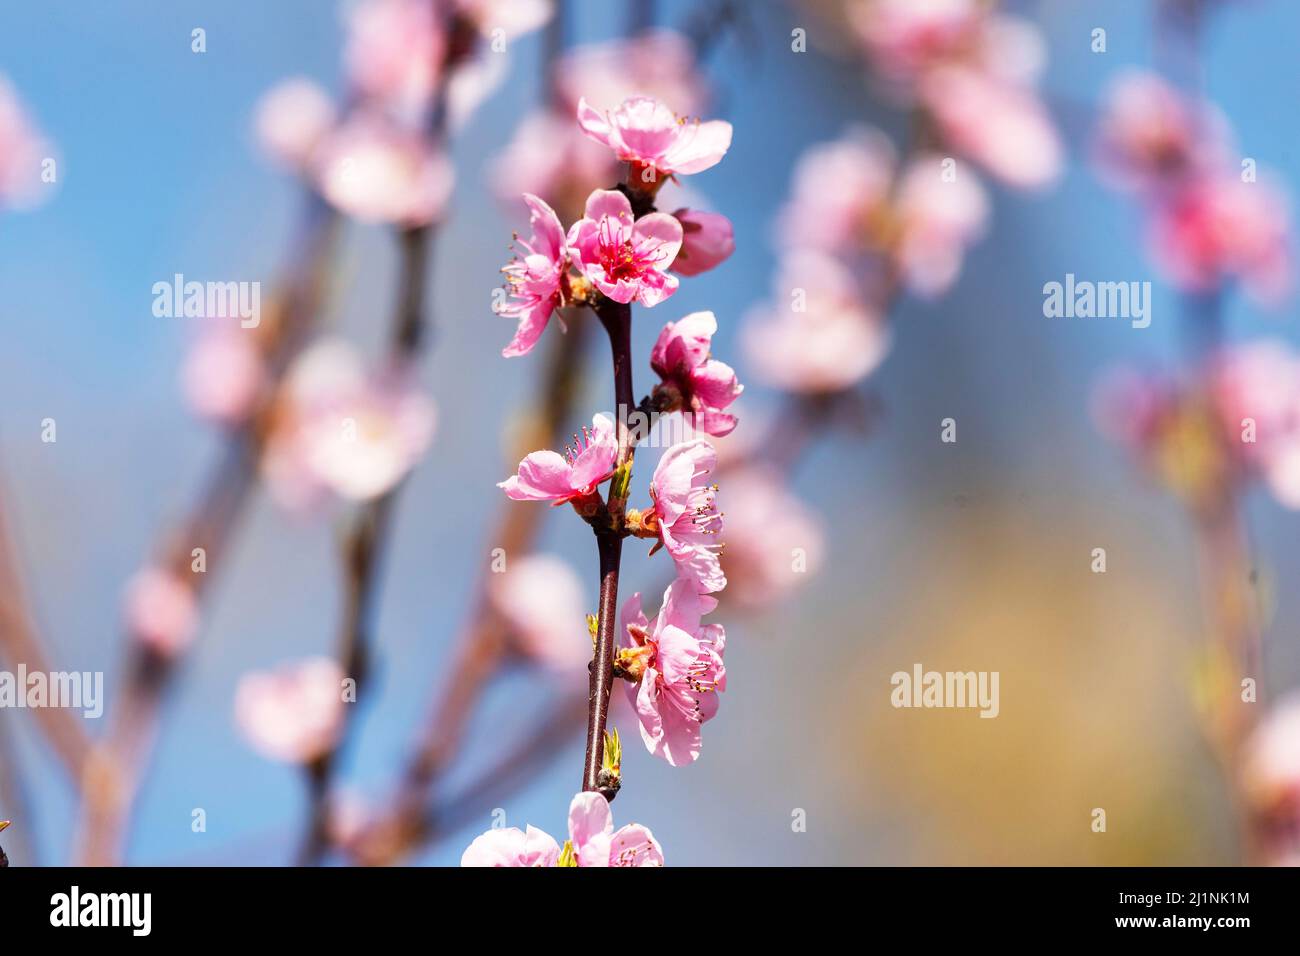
pixel 1216 228
pixel 343 430
pixel 595 842
pixel 224 375
pixel 691 380
pixel 543 602
pixel 1150 136
pixel 395 50
pixel 848 200
pixel 1259 381
pixel 773 541
pixel 160 611
pixel 647 134
pixel 293 714
pixel 1131 406
pixel 375 171
pixel 626 259
pixel 1270 777
pixel 1000 125
pixel 686 514
pixel 973 70
pixel 659 64
pixel 291 121
pixel 905 37
pixel 1249 412
pixel 546 476
pixel 818 335
pixel 839 190
pixel 23 149
pixel 550 156
pixel 707 241
pixel 938 219
pixel 677 668
pixel 514 18
pixel 537 281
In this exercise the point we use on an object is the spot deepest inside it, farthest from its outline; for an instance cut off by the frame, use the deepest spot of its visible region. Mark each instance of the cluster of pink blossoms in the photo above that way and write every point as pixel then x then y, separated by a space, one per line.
pixel 1212 217
pixel 375 161
pixel 1243 424
pixel 623 252
pixel 330 427
pixel 593 841
pixel 973 71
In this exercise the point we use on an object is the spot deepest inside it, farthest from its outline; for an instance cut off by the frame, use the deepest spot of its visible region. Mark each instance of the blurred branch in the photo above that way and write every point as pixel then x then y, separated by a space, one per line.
pixel 117 764
pixel 19 644
pixel 363 547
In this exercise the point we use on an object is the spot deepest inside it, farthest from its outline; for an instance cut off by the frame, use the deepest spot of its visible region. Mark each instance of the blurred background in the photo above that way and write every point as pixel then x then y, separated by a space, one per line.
pixel 967 556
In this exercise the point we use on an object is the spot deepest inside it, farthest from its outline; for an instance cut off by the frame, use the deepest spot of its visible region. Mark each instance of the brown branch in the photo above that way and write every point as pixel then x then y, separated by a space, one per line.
pixel 617 320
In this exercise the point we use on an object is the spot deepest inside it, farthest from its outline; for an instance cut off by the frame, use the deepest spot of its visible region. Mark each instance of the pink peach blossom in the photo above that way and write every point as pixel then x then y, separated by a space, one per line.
pixel 224 374
pixel 1217 228
pixel 707 241
pixel 685 513
pixel 1003 126
pixel 626 259
pixel 546 476
pixel 510 846
pixel 819 335
pixel 595 842
pixel 342 429
pixel 658 63
pixel 375 171
pixel 677 667
pixel 695 383
pixel 647 134
pixel 592 839
pixel 22 150
pixel 537 280
pixel 293 714
pixel 774 542
pixel 292 119
pixel 544 604
pixel 160 611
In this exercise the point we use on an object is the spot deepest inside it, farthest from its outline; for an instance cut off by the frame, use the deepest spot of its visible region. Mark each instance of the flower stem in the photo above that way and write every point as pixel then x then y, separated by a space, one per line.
pixel 617 320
